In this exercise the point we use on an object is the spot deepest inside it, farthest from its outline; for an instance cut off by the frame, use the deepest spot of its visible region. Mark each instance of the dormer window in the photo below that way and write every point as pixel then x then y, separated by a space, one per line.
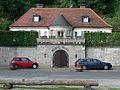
pixel 36 18
pixel 85 19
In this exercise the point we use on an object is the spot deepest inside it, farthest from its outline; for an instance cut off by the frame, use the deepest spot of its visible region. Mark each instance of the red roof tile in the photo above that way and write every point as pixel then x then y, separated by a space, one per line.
pixel 72 15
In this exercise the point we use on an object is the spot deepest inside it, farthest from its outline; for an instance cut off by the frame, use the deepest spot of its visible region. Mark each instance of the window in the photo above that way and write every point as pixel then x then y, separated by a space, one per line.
pixel 25 59
pixel 75 34
pixel 85 19
pixel 75 55
pixel 60 34
pixel 36 18
pixel 17 59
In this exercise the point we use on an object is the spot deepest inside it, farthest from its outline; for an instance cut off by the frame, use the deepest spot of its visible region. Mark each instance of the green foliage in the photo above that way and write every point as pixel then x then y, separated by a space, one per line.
pixel 18 38
pixel 114 18
pixel 4 23
pixel 1 10
pixel 102 39
pixel 68 3
pixel 13 9
pixel 115 22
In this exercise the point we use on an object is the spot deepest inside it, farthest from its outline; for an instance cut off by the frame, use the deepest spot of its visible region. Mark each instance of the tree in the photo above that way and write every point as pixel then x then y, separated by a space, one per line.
pixel 1 10
pixel 4 24
pixel 13 9
pixel 68 3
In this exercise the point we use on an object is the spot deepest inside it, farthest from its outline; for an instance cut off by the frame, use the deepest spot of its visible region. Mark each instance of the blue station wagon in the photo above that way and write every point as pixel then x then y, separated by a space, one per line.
pixel 90 63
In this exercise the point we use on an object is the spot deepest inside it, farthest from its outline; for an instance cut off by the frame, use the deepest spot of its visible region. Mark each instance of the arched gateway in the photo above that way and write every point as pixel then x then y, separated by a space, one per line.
pixel 60 59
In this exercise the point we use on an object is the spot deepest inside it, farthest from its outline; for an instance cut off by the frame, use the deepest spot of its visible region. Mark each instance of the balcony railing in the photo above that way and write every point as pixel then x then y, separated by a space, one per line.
pixel 57 41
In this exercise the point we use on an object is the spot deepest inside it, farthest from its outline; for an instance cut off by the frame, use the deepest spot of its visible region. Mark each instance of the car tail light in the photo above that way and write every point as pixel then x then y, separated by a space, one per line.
pixel 77 63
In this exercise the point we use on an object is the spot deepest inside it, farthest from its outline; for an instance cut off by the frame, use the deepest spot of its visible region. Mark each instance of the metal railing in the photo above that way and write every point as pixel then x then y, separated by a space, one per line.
pixel 65 41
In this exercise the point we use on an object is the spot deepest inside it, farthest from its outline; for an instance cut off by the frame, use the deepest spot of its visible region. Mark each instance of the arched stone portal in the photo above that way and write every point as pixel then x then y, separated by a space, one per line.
pixel 60 59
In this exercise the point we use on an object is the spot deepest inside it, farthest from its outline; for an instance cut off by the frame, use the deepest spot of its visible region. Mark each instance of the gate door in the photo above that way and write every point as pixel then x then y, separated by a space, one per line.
pixel 60 59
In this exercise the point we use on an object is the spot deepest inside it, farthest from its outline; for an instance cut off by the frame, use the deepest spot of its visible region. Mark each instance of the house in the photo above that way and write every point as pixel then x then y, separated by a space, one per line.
pixel 61 32
pixel 61 22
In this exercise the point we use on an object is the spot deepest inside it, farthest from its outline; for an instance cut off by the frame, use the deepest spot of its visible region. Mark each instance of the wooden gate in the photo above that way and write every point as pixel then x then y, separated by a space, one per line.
pixel 60 59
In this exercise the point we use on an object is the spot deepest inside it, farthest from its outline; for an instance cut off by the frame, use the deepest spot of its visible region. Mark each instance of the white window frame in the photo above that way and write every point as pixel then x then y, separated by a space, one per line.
pixel 85 19
pixel 36 18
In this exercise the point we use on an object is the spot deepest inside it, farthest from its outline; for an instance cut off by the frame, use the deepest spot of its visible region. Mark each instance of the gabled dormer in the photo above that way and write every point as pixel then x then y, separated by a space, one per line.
pixel 85 19
pixel 36 18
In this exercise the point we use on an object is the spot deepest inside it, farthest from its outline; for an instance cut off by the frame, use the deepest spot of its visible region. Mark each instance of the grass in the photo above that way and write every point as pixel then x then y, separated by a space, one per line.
pixel 18 87
pixel 114 88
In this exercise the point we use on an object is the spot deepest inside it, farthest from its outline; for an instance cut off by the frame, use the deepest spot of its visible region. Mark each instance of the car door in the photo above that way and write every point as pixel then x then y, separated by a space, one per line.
pixel 100 64
pixel 25 62
pixel 89 64
pixel 97 64
pixel 17 61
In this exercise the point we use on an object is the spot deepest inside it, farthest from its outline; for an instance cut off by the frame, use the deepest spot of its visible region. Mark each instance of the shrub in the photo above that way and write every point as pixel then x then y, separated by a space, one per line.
pixel 18 38
pixel 102 39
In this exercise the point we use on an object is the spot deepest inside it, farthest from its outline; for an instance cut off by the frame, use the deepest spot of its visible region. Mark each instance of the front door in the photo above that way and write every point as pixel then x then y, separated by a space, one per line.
pixel 60 59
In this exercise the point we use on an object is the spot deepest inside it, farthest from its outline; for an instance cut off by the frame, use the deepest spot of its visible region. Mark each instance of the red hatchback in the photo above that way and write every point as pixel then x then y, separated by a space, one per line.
pixel 21 61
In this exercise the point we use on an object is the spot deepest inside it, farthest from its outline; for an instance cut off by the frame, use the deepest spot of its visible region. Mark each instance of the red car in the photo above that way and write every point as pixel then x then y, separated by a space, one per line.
pixel 21 61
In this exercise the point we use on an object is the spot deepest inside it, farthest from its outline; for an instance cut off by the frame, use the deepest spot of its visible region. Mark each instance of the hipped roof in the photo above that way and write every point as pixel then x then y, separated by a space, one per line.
pixel 71 16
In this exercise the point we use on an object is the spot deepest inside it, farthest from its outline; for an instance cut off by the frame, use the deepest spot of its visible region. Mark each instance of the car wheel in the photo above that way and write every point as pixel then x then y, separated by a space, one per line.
pixel 13 66
pixel 34 66
pixel 16 66
pixel 106 67
pixel 84 67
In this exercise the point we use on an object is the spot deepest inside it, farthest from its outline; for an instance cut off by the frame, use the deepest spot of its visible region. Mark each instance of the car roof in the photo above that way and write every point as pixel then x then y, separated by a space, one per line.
pixel 20 57
pixel 87 58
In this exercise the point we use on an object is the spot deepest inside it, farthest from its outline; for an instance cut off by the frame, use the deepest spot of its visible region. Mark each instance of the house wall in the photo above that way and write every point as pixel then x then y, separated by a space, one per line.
pixel 41 30
pixel 42 53
pixel 80 31
pixel 45 31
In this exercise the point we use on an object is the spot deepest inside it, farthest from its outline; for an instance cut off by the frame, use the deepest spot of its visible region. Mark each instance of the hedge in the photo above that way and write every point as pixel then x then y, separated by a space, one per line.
pixel 18 38
pixel 102 39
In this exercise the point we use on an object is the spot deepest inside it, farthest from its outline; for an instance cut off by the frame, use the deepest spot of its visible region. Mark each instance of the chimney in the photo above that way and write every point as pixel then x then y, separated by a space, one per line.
pixel 39 5
pixel 82 6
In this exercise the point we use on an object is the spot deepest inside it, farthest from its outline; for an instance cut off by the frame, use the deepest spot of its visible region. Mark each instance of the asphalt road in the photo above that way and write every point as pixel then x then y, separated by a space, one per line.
pixel 57 73
pixel 105 77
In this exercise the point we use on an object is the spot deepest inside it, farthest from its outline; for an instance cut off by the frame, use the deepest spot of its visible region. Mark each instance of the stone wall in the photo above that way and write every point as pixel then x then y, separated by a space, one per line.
pixel 42 53
pixel 111 55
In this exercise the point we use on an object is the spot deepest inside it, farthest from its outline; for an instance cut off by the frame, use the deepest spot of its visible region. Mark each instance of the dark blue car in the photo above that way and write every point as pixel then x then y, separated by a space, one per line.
pixel 90 63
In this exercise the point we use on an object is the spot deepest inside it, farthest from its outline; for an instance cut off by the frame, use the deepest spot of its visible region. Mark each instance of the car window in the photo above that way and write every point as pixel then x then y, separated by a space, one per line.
pixel 17 59
pixel 88 60
pixel 96 61
pixel 25 59
pixel 83 60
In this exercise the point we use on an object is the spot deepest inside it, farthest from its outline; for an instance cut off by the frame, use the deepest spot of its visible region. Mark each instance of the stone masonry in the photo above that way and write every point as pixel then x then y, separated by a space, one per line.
pixel 42 53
